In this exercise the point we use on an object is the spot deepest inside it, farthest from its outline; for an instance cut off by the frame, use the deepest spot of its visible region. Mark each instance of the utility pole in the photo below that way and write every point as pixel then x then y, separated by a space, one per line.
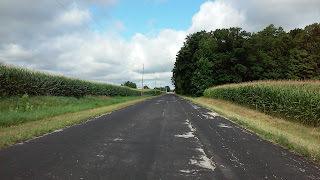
pixel 155 85
pixel 142 80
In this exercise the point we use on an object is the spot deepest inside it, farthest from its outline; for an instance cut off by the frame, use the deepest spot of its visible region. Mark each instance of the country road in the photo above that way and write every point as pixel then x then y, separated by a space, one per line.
pixel 165 137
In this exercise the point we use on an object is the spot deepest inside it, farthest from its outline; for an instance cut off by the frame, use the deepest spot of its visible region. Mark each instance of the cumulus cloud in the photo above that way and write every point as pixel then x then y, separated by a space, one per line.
pixel 253 15
pixel 74 17
pixel 289 14
pixel 15 52
pixel 51 37
pixel 216 15
pixel 60 41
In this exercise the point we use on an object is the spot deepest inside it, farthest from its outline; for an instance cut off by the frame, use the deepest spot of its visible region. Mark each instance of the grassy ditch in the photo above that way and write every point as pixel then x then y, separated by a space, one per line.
pixel 301 139
pixel 59 113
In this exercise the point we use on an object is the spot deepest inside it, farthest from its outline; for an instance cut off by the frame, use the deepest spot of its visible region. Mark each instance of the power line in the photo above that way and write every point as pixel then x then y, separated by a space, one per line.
pixel 93 19
pixel 142 80
pixel 63 6
pixel 87 29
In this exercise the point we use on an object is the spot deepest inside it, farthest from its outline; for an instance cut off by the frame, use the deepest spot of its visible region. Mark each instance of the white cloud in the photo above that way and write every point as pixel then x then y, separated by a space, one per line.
pixel 51 38
pixel 157 53
pixel 253 15
pixel 216 15
pixel 15 53
pixel 73 17
pixel 101 57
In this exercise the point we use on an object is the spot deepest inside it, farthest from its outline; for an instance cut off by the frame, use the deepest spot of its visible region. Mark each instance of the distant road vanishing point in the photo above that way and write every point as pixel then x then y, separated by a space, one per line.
pixel 166 137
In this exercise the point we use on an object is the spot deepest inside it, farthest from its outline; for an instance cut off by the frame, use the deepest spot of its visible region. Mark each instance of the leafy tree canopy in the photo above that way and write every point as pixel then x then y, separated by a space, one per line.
pixel 233 55
pixel 167 88
pixel 130 84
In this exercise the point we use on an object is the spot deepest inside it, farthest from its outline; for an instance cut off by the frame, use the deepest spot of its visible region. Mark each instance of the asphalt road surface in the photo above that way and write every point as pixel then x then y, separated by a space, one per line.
pixel 161 138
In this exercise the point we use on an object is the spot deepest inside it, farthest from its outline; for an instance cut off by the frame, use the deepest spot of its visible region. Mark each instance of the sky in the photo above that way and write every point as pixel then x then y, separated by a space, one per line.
pixel 110 40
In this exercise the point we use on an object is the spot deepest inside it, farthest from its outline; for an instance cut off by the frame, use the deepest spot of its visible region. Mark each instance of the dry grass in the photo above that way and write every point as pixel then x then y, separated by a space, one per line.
pixel 19 133
pixel 304 140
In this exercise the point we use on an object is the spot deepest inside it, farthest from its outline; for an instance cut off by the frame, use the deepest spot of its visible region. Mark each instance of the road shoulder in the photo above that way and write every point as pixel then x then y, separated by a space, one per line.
pixel 300 139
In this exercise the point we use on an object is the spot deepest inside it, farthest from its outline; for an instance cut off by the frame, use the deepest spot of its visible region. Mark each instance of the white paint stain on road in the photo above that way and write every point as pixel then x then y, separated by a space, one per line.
pixel 188 134
pixel 163 112
pixel 117 139
pixel 194 106
pixel 100 156
pixel 210 115
pixel 207 117
pixel 185 171
pixel 203 161
pixel 213 114
pixel 224 125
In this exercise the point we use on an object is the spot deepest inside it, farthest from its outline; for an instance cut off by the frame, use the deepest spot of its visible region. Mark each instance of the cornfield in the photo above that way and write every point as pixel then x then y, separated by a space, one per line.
pixel 19 81
pixel 294 100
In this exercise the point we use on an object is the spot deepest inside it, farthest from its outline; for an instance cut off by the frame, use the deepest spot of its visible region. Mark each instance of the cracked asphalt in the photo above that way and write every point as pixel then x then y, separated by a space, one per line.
pixel 165 137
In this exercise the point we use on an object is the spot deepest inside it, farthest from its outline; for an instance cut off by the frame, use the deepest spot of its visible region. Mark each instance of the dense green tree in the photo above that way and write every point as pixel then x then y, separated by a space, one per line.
pixel 167 88
pixel 202 78
pixel 184 64
pixel 233 55
pixel 308 43
pixel 130 84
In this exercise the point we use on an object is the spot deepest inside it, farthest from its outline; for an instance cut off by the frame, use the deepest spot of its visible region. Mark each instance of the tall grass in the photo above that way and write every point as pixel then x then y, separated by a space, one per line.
pixel 19 81
pixel 294 100
pixel 16 110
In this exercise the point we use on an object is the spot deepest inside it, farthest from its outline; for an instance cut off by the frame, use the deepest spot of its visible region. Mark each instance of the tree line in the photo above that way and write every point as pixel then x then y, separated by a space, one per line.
pixel 233 55
pixel 134 86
